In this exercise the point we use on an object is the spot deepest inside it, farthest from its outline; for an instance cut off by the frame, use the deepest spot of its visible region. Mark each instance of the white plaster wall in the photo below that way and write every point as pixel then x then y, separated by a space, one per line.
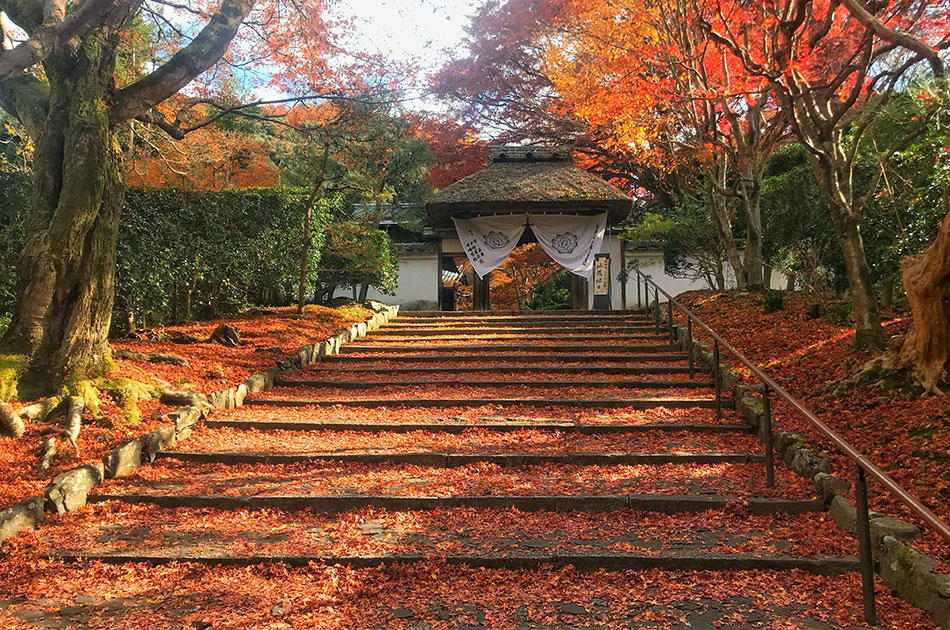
pixel 418 280
pixel 651 263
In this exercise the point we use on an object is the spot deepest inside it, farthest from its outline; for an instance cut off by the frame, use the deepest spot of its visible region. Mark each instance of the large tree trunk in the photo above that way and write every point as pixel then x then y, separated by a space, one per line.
pixel 723 225
pixel 305 259
pixel 66 271
pixel 926 349
pixel 867 315
pixel 752 210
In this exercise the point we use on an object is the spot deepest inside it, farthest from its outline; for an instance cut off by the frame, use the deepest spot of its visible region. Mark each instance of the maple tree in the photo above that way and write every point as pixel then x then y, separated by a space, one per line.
pixel 653 87
pixel 833 72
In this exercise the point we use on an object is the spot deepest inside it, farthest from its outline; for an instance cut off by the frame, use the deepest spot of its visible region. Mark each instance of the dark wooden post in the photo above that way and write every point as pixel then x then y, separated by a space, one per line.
pixel 579 293
pixel 481 293
pixel 438 278
pixel 623 274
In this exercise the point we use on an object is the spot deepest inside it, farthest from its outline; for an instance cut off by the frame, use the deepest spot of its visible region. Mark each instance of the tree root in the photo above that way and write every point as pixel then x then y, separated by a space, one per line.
pixel 71 408
pixel 11 425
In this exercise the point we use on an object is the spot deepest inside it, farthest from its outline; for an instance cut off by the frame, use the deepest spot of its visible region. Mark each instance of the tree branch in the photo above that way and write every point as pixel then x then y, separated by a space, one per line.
pixel 186 65
pixel 55 31
pixel 27 99
pixel 895 37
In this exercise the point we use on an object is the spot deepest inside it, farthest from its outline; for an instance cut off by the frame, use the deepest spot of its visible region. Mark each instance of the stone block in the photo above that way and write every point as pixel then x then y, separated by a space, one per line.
pixel 749 405
pixel 910 572
pixel 26 514
pixel 884 526
pixel 123 459
pixel 844 514
pixel 157 440
pixel 787 440
pixel 186 418
pixel 829 486
pixel 68 491
pixel 258 383
pixel 240 393
pixel 808 464
pixel 183 399
pixel 222 399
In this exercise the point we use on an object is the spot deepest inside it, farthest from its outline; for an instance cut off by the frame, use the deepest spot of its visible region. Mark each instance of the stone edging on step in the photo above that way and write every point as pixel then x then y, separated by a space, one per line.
pixel 903 568
pixel 68 490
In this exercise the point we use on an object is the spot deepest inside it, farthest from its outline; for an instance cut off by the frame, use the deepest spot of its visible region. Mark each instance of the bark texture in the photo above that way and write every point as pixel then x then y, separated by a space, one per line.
pixel 926 348
pixel 66 271
pixel 67 268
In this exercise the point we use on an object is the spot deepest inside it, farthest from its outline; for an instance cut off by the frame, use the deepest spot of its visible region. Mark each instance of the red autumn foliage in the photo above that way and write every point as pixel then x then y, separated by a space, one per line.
pixel 265 339
pixel 334 478
pixel 443 597
pixel 905 434
pixel 211 366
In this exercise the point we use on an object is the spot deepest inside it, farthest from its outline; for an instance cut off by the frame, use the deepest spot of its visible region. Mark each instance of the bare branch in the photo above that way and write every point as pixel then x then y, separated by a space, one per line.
pixel 187 64
pixel 895 37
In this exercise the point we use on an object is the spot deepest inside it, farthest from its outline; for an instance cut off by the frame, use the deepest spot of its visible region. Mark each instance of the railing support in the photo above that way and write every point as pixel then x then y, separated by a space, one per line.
pixel 669 317
pixel 717 377
pixel 639 301
pixel 863 530
pixel 656 307
pixel 767 436
pixel 689 343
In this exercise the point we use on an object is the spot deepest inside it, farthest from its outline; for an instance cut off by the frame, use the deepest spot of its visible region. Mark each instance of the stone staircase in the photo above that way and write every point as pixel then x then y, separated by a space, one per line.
pixel 508 442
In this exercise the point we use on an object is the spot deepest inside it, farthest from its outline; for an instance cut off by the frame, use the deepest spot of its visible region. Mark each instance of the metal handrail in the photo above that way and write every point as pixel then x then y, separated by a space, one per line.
pixel 864 465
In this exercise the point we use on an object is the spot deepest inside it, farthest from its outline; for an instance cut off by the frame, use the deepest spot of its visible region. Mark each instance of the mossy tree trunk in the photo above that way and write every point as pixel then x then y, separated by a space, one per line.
pixel 65 273
pixel 66 270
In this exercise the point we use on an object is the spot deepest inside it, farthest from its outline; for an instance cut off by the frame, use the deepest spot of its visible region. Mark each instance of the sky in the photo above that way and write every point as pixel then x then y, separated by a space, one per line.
pixel 425 31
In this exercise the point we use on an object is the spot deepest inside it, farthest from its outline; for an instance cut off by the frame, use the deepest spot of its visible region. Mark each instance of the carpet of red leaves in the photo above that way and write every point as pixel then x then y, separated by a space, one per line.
pixel 483 478
pixel 115 527
pixel 213 366
pixel 20 479
pixel 470 441
pixel 462 393
pixel 151 597
pixel 486 413
pixel 906 435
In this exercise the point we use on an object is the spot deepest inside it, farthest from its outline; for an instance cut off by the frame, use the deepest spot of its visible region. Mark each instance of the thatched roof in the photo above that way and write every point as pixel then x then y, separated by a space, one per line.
pixel 510 186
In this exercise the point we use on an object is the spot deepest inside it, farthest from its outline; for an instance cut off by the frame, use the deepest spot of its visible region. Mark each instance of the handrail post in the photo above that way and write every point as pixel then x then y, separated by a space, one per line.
pixel 767 435
pixel 863 530
pixel 717 377
pixel 689 342
pixel 669 315
pixel 639 301
pixel 656 307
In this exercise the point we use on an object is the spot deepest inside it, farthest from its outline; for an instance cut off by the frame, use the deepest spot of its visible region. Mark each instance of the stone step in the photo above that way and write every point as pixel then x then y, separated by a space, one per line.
pixel 396 330
pixel 509 313
pixel 337 504
pixel 476 534
pixel 512 358
pixel 591 561
pixel 559 349
pixel 559 486
pixel 506 369
pixel 529 337
pixel 593 403
pixel 515 317
pixel 460 427
pixel 452 460
pixel 629 384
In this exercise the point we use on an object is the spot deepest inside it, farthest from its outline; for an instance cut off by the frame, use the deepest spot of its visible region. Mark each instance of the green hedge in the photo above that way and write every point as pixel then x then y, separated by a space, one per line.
pixel 187 255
